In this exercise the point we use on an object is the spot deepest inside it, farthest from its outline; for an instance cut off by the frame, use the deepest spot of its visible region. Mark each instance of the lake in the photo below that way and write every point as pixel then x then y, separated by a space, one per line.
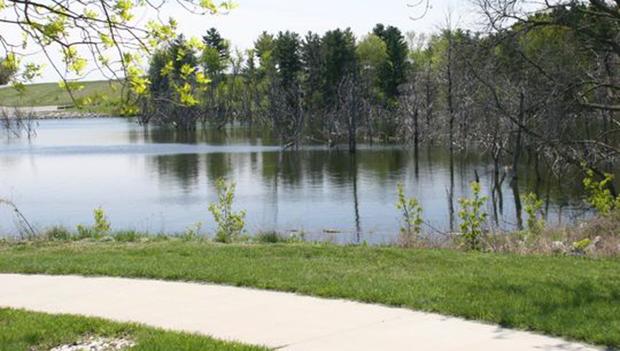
pixel 162 181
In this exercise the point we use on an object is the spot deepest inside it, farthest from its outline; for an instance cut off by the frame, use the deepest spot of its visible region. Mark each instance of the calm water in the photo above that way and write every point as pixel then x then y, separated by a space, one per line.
pixel 161 181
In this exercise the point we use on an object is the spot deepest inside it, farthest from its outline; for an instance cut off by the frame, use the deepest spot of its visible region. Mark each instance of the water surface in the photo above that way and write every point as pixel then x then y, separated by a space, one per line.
pixel 162 181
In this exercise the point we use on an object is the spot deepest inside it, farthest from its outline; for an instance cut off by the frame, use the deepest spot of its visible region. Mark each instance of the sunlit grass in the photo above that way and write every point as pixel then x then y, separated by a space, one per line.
pixel 21 330
pixel 103 93
pixel 573 297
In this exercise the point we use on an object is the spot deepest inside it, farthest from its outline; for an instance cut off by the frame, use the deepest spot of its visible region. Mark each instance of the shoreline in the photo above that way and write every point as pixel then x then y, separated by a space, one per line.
pixel 48 112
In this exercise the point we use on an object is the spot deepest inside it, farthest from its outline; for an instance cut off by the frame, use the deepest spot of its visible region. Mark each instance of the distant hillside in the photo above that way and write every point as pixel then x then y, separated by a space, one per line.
pixel 103 94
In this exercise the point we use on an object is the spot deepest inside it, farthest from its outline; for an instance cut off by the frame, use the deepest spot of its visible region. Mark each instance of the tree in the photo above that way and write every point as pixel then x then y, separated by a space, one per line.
pixel 175 86
pixel 339 61
pixel 287 58
pixel 286 87
pixel 341 85
pixel 312 71
pixel 263 47
pixel 372 56
pixel 394 71
pixel 216 54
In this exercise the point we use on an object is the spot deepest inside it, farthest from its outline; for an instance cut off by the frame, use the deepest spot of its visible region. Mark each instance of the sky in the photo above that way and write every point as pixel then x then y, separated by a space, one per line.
pixel 244 24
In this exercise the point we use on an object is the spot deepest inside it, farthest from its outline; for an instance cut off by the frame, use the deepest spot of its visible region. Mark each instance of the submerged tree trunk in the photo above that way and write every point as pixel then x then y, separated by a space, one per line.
pixel 515 162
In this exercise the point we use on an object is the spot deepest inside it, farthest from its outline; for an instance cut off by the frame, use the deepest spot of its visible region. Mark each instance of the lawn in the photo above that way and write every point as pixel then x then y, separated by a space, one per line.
pixel 21 330
pixel 51 94
pixel 572 297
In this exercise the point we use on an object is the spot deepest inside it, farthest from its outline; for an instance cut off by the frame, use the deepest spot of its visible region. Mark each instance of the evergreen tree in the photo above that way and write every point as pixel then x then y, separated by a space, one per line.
pixel 263 47
pixel 395 70
pixel 312 70
pixel 286 55
pixel 216 55
pixel 339 58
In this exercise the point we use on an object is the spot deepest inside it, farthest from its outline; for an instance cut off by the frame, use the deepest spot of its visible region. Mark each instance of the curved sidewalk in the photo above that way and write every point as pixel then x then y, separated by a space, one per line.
pixel 278 320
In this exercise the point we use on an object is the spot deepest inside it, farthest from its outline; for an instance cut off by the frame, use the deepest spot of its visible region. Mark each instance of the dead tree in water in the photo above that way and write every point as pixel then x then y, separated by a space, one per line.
pixel 287 113
pixel 346 113
pixel 17 123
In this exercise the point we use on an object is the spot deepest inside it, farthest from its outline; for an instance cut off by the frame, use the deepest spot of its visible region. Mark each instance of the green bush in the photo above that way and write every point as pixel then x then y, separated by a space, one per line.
pixel 271 237
pixel 102 224
pixel 533 207
pixel 472 218
pixel 129 236
pixel 58 233
pixel 100 229
pixel 192 232
pixel 230 224
pixel 599 194
pixel 411 217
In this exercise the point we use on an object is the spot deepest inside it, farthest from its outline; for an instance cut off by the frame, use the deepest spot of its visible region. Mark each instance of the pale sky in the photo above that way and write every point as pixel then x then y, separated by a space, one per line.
pixel 245 23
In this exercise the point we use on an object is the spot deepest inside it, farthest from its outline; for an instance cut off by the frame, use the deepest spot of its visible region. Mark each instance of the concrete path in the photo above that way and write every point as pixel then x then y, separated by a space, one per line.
pixel 279 320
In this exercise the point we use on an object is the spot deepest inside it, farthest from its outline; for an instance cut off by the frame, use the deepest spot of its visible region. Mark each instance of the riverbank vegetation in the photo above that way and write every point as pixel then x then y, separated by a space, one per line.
pixel 32 331
pixel 568 296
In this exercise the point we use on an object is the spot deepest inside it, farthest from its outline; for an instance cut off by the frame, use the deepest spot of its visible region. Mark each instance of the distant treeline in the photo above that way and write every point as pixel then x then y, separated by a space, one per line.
pixel 544 87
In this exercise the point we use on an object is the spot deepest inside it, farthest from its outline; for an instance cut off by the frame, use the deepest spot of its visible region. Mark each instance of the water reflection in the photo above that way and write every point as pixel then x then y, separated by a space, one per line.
pixel 162 181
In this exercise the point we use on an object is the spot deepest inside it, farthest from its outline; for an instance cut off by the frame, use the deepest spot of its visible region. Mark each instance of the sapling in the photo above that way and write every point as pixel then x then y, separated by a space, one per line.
pixel 472 218
pixel 411 217
pixel 230 224
pixel 533 207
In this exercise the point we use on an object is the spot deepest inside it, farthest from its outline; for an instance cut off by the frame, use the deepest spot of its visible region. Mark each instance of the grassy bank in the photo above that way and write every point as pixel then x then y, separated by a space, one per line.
pixel 567 296
pixel 20 330
pixel 103 94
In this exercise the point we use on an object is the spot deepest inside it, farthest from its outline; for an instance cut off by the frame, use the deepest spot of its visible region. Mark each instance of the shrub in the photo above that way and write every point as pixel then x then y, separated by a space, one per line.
pixel 99 229
pixel 192 232
pixel 271 237
pixel 230 224
pixel 59 233
pixel 85 232
pixel 102 224
pixel 599 195
pixel 129 236
pixel 472 218
pixel 411 217
pixel 533 207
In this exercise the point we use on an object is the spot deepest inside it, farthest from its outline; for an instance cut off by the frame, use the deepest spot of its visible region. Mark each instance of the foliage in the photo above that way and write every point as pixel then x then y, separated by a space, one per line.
pixel 230 224
pixel 192 232
pixel 472 218
pixel 411 217
pixel 533 206
pixel 394 71
pixel 216 54
pixel 58 233
pixel 339 61
pixel 270 237
pixel 286 53
pixel 599 194
pixel 102 224
pixel 109 30
pixel 581 245
pixel 372 55
pixel 7 70
pixel 100 228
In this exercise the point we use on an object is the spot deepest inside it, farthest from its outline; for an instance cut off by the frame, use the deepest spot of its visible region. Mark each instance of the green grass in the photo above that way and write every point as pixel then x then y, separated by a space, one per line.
pixel 577 298
pixel 50 94
pixel 21 331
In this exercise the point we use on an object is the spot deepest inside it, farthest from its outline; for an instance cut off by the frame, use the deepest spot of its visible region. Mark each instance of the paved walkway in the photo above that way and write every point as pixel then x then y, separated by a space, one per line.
pixel 278 320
